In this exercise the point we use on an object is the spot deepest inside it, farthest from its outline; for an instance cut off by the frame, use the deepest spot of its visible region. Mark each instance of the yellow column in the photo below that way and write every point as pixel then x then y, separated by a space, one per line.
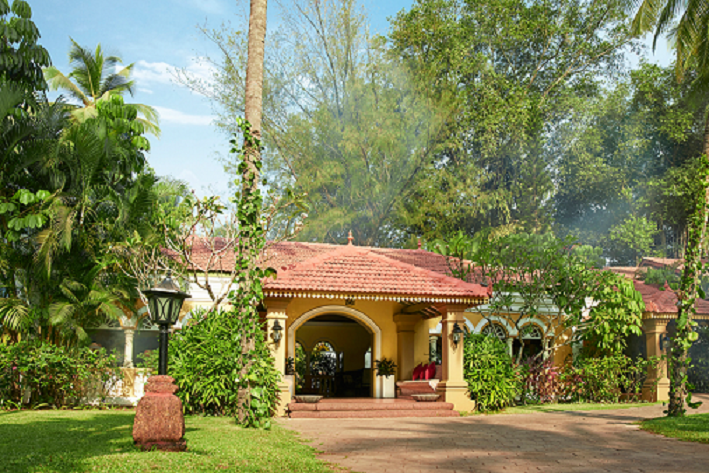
pixel 405 333
pixel 657 385
pixel 453 387
pixel 276 311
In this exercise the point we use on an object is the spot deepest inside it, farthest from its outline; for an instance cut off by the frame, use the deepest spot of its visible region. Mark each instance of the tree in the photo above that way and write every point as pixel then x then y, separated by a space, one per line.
pixel 629 156
pixel 516 70
pixel 251 236
pixel 91 80
pixel 549 278
pixel 689 36
pixel 342 124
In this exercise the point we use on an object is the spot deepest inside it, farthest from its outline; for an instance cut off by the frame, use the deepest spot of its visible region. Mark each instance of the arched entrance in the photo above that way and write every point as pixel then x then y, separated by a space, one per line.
pixel 338 342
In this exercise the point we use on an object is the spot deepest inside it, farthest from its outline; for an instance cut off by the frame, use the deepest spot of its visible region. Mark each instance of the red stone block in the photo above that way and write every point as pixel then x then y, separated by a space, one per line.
pixel 159 421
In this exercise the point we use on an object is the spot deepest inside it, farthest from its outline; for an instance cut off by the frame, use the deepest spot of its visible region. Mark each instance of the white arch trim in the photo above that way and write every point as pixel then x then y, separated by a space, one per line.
pixel 353 314
pixel 534 321
pixel 511 331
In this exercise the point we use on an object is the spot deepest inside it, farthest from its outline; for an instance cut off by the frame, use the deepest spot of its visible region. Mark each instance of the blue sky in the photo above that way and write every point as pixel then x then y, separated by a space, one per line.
pixel 158 36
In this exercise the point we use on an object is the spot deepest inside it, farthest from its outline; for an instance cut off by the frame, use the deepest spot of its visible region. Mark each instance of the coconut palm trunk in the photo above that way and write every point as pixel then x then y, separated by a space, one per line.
pixel 252 153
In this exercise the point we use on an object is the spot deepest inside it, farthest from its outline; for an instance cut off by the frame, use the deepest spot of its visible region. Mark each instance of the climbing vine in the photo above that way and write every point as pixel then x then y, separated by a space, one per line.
pixel 689 286
pixel 255 406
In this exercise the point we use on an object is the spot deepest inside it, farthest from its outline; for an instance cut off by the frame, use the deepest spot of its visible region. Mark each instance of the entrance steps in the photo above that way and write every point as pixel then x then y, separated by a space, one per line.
pixel 369 408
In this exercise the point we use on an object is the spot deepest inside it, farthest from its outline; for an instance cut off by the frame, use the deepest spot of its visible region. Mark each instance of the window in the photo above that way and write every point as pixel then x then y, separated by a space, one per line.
pixel 495 330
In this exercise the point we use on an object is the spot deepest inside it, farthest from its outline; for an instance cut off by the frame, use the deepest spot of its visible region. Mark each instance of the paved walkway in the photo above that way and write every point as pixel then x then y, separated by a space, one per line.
pixel 581 441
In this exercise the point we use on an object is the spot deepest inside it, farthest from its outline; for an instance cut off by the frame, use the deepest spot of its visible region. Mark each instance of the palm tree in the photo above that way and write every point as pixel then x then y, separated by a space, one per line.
pixel 686 23
pixel 91 80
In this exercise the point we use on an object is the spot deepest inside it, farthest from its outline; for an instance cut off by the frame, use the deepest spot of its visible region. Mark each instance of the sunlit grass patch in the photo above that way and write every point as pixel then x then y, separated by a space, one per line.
pixel 73 441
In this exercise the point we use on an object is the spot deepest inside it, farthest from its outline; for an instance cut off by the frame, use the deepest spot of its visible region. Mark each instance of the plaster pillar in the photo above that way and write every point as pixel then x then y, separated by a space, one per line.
pixel 276 311
pixel 510 344
pixel 453 388
pixel 128 333
pixel 657 385
pixel 405 344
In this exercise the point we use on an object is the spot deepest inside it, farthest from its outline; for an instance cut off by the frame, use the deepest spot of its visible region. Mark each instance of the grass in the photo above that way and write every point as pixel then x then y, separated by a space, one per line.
pixel 560 407
pixel 78 441
pixel 691 428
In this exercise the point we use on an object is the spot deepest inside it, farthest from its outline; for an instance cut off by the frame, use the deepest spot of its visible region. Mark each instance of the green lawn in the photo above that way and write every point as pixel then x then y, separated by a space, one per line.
pixel 692 428
pixel 582 406
pixel 74 441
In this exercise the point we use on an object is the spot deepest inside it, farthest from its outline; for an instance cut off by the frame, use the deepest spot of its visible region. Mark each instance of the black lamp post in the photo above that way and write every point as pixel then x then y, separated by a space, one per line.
pixel 277 332
pixel 165 301
pixel 457 334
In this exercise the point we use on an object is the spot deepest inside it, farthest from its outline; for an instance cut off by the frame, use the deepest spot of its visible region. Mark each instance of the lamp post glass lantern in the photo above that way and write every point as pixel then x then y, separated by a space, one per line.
pixel 277 332
pixel 457 334
pixel 165 302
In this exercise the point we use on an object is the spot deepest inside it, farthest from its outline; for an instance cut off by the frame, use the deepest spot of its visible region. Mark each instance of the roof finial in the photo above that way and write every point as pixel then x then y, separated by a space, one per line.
pixel 419 242
pixel 349 238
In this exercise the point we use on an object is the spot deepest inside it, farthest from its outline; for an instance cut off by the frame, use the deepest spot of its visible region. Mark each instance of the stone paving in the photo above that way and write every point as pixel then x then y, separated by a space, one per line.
pixel 578 441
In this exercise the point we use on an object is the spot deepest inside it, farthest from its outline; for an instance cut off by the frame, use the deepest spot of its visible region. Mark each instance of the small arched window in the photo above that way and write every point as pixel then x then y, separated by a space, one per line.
pixel 531 332
pixel 495 330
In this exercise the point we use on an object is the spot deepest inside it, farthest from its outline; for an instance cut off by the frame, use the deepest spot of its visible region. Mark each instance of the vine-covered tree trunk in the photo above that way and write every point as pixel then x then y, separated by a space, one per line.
pixel 678 363
pixel 250 238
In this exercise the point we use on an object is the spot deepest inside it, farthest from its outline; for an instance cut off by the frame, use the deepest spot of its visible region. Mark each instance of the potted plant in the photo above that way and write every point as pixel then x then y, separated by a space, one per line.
pixel 385 373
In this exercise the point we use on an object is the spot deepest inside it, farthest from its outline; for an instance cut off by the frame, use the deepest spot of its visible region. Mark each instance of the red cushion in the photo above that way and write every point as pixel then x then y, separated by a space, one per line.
pixel 418 372
pixel 430 371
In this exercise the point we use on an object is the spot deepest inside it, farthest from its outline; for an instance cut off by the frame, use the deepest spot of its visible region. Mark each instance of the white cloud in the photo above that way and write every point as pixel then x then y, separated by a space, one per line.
pixel 145 91
pixel 175 116
pixel 198 69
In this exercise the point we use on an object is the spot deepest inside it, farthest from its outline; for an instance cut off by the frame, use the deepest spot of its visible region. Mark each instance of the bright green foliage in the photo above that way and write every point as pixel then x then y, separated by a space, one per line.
pixel 604 379
pixel 93 79
pixel 616 313
pixel 70 192
pixel 202 361
pixel 541 274
pixel 21 58
pixel 493 380
pixel 53 375
pixel 256 376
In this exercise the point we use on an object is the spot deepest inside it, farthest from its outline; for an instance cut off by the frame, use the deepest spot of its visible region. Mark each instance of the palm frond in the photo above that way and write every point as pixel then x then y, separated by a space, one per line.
pixel 58 81
pixel 14 313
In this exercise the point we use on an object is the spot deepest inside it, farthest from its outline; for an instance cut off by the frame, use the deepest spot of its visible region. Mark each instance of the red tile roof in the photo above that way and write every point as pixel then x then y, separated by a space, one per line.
pixel 664 300
pixel 349 269
pixel 359 270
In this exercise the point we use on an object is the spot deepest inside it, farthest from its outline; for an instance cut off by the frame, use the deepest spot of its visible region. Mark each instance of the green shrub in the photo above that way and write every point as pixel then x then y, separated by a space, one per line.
pixel 53 375
pixel 493 380
pixel 202 361
pixel 604 379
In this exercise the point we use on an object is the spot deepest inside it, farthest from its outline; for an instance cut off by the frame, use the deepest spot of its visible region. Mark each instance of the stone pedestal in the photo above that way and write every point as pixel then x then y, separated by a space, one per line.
pixel 159 421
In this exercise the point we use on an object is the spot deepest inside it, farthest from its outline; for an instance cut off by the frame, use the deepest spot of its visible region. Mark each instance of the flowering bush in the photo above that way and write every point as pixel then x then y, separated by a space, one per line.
pixel 43 374
pixel 541 380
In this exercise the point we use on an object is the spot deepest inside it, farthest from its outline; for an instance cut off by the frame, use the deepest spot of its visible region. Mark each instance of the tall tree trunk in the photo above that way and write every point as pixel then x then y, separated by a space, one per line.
pixel 691 277
pixel 250 177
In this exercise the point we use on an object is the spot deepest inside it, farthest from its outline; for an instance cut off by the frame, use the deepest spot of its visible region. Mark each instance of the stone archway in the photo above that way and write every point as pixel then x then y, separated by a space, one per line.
pixel 349 312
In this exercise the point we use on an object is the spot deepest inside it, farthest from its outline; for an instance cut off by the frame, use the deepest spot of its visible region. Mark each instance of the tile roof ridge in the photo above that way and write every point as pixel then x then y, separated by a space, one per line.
pixel 423 271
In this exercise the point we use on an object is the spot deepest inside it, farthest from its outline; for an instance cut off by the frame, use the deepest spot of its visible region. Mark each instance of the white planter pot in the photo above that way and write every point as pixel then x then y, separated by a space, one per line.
pixel 387 387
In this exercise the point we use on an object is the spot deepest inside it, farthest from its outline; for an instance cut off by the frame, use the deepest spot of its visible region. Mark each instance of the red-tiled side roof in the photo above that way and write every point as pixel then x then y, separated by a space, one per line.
pixel 360 270
pixel 664 301
pixel 630 272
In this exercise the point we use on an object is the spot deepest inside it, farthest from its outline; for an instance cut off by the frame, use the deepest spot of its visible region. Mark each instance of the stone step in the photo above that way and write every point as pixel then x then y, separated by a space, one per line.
pixel 373 414
pixel 368 406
